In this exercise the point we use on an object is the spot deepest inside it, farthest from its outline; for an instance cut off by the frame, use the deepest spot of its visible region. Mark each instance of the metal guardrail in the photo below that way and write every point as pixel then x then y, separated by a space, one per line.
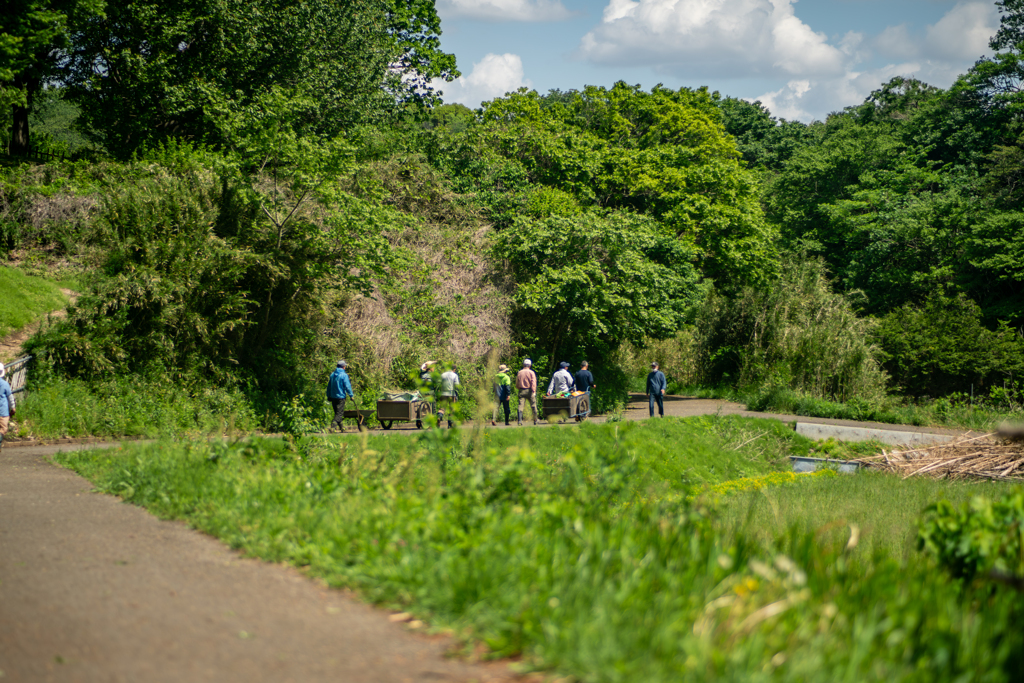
pixel 17 374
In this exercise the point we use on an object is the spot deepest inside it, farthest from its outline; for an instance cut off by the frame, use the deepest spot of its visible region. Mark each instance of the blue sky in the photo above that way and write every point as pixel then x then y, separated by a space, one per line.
pixel 801 59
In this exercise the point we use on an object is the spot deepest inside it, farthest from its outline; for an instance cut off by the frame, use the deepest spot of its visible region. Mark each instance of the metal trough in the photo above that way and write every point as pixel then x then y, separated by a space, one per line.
pixel 803 465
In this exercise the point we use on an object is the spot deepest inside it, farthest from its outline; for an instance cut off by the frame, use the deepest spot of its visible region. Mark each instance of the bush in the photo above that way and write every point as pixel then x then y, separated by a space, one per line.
pixel 132 405
pixel 942 347
pixel 795 333
pixel 983 536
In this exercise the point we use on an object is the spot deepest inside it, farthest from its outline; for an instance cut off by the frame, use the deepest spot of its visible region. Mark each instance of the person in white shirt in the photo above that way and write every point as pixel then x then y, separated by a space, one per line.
pixel 447 394
pixel 561 381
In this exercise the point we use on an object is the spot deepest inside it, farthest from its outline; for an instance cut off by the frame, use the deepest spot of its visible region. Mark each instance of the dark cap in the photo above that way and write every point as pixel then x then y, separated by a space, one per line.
pixel 563 364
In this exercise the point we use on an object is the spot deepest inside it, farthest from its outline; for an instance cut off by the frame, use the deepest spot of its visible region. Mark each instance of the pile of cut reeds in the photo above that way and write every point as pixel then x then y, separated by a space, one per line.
pixel 978 457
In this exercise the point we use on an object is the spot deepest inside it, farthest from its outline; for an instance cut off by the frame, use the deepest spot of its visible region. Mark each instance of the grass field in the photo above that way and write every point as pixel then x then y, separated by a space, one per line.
pixel 884 508
pixel 25 299
pixel 578 550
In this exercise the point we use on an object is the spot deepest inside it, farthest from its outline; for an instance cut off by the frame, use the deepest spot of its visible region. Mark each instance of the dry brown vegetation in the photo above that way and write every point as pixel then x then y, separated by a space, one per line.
pixel 974 457
pixel 443 301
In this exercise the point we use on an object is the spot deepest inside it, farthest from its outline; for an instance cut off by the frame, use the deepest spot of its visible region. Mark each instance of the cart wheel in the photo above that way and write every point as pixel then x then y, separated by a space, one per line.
pixel 582 410
pixel 386 424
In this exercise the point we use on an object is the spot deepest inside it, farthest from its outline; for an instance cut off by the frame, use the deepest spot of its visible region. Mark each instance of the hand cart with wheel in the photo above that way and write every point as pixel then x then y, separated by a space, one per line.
pixel 360 416
pixel 567 408
pixel 389 412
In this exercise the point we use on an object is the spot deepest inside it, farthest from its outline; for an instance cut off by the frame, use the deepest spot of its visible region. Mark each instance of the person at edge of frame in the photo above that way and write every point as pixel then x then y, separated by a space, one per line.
pixel 656 390
pixel 6 405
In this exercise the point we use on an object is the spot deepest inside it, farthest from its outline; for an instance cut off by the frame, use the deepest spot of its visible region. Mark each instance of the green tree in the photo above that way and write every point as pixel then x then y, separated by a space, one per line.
pixel 207 272
pixel 663 154
pixel 762 140
pixel 584 284
pixel 33 37
pixel 150 70
pixel 943 347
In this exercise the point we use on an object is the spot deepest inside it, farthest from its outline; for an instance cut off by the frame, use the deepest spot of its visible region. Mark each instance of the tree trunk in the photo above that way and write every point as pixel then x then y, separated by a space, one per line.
pixel 20 141
pixel 19 131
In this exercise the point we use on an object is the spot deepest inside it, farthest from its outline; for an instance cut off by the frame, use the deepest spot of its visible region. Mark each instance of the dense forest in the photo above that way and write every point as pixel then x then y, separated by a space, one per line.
pixel 247 191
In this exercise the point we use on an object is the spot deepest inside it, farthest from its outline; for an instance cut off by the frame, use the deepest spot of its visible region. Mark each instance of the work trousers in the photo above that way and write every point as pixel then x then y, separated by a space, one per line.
pixel 527 395
pixel 445 408
pixel 502 406
pixel 661 403
pixel 339 413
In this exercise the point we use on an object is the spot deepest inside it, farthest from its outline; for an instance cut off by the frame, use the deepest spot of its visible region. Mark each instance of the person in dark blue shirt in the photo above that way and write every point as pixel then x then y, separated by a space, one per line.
pixel 339 388
pixel 656 390
pixel 584 380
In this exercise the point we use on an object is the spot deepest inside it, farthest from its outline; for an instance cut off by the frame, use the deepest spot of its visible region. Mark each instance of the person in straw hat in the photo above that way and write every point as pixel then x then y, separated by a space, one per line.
pixel 6 405
pixel 502 391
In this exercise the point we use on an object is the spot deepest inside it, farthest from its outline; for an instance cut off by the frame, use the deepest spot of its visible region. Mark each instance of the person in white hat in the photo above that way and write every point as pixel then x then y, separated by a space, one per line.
pixel 526 384
pixel 6 405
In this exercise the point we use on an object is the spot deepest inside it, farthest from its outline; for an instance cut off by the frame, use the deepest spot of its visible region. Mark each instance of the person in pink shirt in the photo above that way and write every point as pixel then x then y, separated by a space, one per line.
pixel 526 383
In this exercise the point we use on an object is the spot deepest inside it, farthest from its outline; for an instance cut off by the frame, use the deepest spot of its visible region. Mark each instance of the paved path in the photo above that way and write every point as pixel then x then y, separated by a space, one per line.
pixel 95 590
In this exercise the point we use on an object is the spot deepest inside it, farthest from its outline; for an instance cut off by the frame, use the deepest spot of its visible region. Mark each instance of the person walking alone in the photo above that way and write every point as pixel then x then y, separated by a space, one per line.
pixel 656 390
pixel 448 394
pixel 502 392
pixel 339 388
pixel 526 385
pixel 6 405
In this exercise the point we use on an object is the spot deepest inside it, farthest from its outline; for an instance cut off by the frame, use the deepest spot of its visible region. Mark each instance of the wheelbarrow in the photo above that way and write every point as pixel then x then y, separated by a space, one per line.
pixel 568 407
pixel 390 412
pixel 360 416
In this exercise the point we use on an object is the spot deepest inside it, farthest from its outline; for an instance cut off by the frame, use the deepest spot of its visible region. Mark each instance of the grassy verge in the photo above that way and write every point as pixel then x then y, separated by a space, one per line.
pixel 884 509
pixel 957 411
pixel 130 406
pixel 25 299
pixel 576 549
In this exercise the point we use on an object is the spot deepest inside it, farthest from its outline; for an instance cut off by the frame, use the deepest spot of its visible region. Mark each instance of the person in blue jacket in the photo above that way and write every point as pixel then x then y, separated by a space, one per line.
pixel 656 390
pixel 6 405
pixel 339 388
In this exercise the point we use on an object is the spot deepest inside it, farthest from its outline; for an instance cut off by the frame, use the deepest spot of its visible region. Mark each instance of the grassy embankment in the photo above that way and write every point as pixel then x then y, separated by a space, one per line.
pixel 960 411
pixel 25 299
pixel 577 549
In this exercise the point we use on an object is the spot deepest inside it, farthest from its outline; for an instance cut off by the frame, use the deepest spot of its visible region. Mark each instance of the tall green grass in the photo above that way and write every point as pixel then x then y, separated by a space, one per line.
pixel 25 299
pixel 131 405
pixel 576 551
pixel 957 411
pixel 884 508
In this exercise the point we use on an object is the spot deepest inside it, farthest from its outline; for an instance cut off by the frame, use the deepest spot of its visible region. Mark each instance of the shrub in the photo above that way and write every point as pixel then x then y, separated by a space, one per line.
pixel 795 332
pixel 942 347
pixel 983 536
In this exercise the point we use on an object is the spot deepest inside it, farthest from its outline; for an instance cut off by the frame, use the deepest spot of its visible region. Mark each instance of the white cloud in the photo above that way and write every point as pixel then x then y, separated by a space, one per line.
pixel 493 76
pixel 727 38
pixel 895 43
pixel 504 10
pixel 964 32
pixel 945 50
